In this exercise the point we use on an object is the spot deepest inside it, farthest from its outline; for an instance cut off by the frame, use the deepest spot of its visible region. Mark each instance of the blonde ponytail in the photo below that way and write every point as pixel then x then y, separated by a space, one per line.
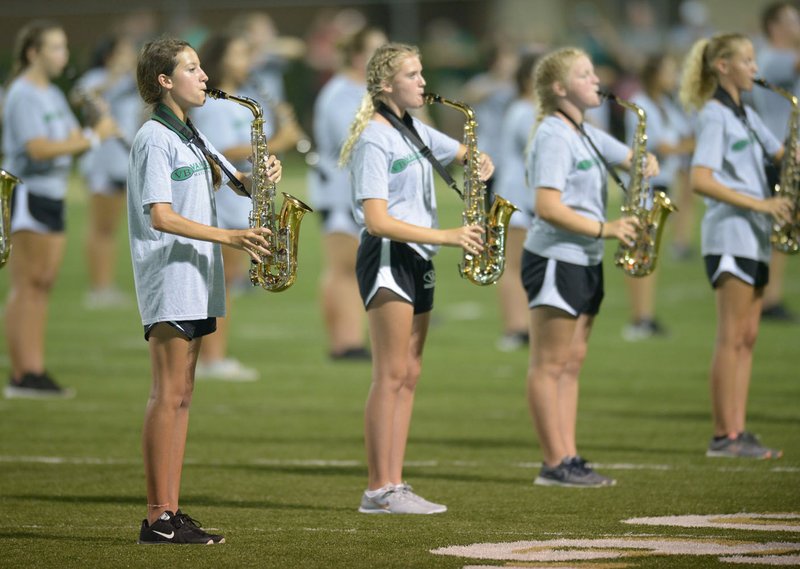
pixel 382 67
pixel 699 78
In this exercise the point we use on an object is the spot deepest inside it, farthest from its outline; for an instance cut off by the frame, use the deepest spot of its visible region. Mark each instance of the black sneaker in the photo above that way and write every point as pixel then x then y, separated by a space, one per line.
pixel 165 530
pixel 36 386
pixel 187 521
pixel 778 313
pixel 352 354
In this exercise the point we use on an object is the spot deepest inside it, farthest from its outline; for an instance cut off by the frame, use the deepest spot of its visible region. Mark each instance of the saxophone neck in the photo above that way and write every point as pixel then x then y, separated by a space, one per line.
pixel 251 104
pixel 431 98
pixel 791 97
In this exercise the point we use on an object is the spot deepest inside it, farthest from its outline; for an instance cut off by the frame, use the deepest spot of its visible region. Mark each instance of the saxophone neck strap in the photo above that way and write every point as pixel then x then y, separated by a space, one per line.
pixel 770 164
pixel 583 133
pixel 725 99
pixel 188 134
pixel 405 126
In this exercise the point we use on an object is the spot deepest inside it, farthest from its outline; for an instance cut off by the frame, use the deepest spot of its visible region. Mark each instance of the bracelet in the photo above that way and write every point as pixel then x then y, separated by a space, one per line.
pixel 600 233
pixel 92 137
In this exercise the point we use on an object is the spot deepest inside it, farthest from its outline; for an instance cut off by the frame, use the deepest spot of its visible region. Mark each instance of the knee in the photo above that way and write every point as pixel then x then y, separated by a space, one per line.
pixel 544 371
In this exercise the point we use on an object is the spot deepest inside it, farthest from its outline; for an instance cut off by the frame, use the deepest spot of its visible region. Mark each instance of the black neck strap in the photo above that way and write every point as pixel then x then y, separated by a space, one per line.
pixel 725 98
pixel 188 134
pixel 602 158
pixel 405 126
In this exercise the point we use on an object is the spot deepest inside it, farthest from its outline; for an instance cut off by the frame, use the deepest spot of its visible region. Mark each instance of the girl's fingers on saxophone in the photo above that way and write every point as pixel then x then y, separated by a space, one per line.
pixel 651 168
pixel 486 166
pixel 274 169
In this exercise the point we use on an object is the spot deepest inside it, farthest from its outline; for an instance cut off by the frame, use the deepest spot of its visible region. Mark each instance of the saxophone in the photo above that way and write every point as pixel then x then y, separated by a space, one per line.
pixel 277 271
pixel 7 184
pixel 786 237
pixel 648 207
pixel 487 267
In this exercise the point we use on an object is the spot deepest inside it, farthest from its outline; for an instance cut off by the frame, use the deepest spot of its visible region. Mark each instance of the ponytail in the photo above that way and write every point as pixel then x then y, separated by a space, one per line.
pixel 699 79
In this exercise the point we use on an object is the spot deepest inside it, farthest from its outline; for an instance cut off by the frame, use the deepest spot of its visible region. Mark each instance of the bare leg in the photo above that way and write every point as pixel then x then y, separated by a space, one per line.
pixel 341 301
pixel 510 292
pixel 391 322
pixel 33 265
pixel 104 218
pixel 173 359
pixel 737 329
pixel 642 292
pixel 773 292
pixel 684 218
pixel 568 384
pixel 552 331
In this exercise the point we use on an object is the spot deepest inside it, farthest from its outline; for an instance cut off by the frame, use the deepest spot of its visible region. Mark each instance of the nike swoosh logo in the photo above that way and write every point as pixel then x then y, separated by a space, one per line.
pixel 169 535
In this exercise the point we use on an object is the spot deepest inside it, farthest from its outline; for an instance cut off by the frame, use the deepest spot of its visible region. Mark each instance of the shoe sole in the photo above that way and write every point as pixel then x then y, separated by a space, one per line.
pixel 768 455
pixel 547 482
pixel 371 511
pixel 23 393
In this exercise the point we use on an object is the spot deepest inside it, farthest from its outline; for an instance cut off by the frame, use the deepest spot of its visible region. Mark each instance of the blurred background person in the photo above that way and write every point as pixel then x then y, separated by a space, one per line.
pixel 40 137
pixel 669 137
pixel 226 61
pixel 331 196
pixel 108 85
pixel 515 132
pixel 778 63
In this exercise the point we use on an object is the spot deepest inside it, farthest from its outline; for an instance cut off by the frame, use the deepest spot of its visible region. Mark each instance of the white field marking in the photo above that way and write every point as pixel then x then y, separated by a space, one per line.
pixel 612 466
pixel 758 522
pixel 565 550
pixel 347 463
pixel 793 560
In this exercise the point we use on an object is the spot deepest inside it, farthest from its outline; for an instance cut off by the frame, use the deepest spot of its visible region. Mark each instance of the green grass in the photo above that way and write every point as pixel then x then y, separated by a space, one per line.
pixel 278 465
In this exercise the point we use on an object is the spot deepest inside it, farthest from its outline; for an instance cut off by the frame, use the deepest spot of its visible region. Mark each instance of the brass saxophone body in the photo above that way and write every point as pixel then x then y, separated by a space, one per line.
pixel 487 267
pixel 8 182
pixel 786 237
pixel 275 272
pixel 648 207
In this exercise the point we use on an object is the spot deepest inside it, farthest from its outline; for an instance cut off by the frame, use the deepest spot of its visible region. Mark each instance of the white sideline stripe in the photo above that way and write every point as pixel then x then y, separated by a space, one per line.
pixel 334 463
pixel 787 560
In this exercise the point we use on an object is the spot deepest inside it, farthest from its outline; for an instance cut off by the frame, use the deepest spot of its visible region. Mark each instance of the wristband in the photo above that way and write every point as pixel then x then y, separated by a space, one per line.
pixel 600 233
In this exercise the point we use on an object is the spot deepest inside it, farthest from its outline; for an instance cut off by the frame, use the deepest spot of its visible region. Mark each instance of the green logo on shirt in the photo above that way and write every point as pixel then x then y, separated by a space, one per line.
pixel 55 115
pixel 586 164
pixel 740 145
pixel 402 163
pixel 186 172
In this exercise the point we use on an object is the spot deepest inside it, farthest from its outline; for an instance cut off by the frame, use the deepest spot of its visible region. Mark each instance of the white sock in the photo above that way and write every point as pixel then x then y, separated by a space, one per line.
pixel 379 491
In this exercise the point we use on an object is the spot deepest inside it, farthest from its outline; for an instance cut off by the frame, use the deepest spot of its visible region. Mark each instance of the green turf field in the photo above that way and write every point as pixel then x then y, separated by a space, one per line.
pixel 278 465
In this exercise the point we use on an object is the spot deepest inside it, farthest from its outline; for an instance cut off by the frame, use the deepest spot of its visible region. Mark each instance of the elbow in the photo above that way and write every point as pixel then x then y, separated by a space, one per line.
pixel 374 228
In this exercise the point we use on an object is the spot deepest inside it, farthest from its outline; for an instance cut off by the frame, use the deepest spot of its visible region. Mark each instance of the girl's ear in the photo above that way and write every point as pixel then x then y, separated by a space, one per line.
pixel 165 81
pixel 559 89
pixel 722 65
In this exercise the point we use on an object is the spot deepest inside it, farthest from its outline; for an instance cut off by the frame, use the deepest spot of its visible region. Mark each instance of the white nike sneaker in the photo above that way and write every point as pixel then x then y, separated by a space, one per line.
pixel 394 501
pixel 432 506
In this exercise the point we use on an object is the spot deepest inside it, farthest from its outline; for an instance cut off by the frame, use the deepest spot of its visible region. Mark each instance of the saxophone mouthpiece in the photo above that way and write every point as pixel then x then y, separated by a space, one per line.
pixel 762 83
pixel 606 95
pixel 431 98
pixel 216 93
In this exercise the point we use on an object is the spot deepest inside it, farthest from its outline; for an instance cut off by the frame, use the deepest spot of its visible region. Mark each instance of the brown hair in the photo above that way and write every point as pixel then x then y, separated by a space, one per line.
pixel 157 57
pixel 356 43
pixel 772 14
pixel 30 36
pixel 699 79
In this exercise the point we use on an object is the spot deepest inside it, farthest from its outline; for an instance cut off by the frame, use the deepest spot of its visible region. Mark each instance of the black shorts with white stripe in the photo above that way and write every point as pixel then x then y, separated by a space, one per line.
pixel 755 273
pixel 191 329
pixel 575 289
pixel 383 263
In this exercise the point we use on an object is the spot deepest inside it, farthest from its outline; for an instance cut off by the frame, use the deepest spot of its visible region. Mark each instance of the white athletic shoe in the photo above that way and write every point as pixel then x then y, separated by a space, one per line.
pixel 394 501
pixel 227 369
pixel 432 507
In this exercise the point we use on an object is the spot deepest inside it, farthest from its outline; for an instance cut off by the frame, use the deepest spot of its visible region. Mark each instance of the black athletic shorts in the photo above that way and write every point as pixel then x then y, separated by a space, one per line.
pixel 575 289
pixel 755 273
pixel 382 263
pixel 30 212
pixel 191 329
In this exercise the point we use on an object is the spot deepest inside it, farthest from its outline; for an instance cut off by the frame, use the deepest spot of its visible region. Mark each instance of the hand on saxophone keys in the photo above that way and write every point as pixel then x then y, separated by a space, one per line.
pixel 623 229
pixel 780 208
pixel 468 237
pixel 274 169
pixel 651 167
pixel 485 166
pixel 251 241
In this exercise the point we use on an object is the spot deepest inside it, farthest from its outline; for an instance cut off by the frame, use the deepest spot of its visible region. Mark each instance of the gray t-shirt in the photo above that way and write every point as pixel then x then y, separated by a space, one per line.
pixel 666 124
pixel 32 112
pixel 385 165
pixel 515 134
pixel 725 146
pixel 334 110
pixel 561 159
pixel 778 67
pixel 127 110
pixel 176 278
